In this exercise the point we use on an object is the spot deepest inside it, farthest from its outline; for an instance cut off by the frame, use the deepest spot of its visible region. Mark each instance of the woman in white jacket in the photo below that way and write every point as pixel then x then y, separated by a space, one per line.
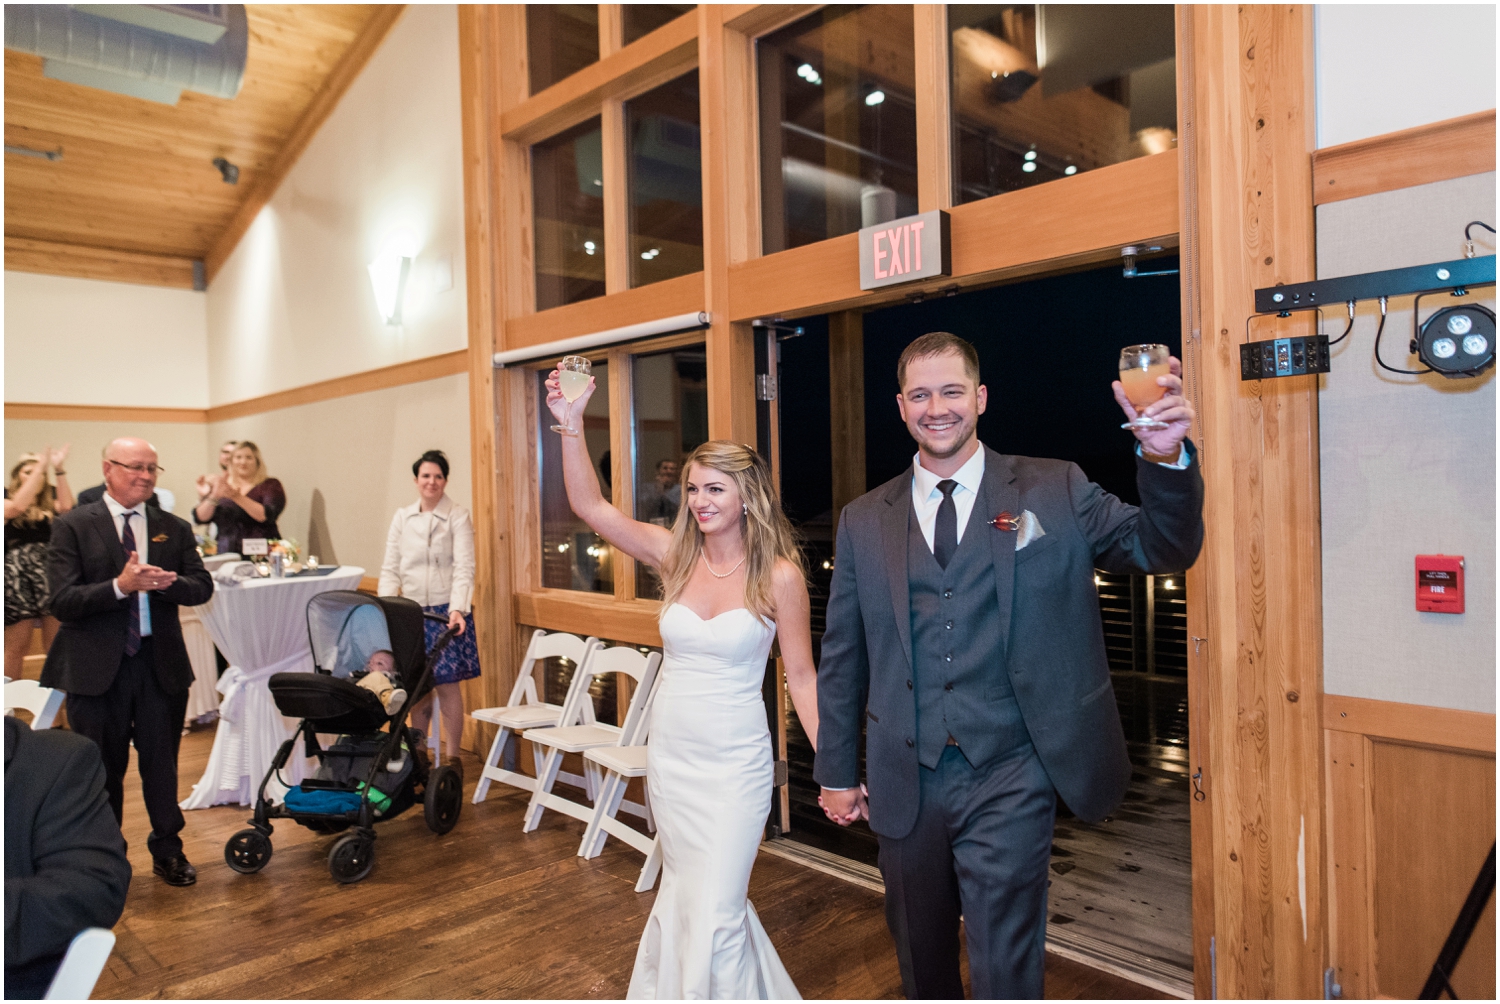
pixel 429 557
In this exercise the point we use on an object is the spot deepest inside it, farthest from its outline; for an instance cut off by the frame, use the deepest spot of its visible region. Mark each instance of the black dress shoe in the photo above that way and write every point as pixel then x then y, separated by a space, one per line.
pixel 175 870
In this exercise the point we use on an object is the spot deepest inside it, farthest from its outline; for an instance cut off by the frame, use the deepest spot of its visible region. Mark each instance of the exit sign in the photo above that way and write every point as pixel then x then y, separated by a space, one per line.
pixel 905 250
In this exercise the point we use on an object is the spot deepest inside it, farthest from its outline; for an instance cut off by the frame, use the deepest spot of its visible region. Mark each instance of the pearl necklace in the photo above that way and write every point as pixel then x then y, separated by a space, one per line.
pixel 715 574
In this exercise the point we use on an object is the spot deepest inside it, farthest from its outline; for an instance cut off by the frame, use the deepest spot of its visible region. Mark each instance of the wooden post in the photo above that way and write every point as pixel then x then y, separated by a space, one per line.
pixel 846 404
pixel 728 124
pixel 1247 204
pixel 934 128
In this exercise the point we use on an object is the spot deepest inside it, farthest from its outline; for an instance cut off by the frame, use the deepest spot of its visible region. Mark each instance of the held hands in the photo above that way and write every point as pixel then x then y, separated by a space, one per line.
pixel 456 621
pixel 137 577
pixel 845 807
pixel 566 413
pixel 1172 409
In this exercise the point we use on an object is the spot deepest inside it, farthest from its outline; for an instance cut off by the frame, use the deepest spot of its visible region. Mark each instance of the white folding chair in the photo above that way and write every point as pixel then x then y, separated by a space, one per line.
pixel 619 764
pixel 80 968
pixel 524 711
pixel 42 702
pixel 578 738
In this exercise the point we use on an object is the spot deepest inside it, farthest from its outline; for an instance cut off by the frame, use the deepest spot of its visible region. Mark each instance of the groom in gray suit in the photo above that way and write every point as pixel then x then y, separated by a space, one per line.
pixel 963 628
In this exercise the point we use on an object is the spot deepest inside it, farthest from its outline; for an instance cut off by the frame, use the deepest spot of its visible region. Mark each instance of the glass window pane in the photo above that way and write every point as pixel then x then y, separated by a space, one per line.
pixel 573 556
pixel 666 191
pixel 561 39
pixel 1043 91
pixel 641 19
pixel 838 124
pixel 671 420
pixel 567 191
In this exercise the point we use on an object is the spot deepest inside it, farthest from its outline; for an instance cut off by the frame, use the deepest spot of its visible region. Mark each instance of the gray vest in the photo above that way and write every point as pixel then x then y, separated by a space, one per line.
pixel 962 687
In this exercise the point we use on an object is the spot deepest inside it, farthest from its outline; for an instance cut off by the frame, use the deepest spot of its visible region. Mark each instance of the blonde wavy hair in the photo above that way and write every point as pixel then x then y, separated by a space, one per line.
pixel 260 464
pixel 44 506
pixel 767 532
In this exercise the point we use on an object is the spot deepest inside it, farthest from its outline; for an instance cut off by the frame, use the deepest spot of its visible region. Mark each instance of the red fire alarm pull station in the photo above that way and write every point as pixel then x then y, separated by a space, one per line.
pixel 1440 583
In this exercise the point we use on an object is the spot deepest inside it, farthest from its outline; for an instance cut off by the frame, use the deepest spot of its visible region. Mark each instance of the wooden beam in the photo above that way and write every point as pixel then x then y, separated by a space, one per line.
pixel 1080 220
pixel 615 155
pixel 682 294
pixel 934 119
pixel 601 616
pixel 76 261
pixel 102 413
pixel 756 19
pixel 667 52
pixel 322 105
pixel 1453 148
pixel 1249 117
pixel 846 405
pixel 727 103
pixel 1412 723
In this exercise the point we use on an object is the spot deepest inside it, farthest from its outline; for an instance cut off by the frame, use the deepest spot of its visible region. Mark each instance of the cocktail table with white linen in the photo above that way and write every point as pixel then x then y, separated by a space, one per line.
pixel 261 627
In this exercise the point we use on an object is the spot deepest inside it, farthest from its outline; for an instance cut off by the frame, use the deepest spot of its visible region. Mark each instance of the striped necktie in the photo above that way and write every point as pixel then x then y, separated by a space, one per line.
pixel 133 624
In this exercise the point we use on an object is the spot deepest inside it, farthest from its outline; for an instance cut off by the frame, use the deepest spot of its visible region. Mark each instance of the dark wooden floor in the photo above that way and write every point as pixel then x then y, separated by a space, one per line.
pixel 485 911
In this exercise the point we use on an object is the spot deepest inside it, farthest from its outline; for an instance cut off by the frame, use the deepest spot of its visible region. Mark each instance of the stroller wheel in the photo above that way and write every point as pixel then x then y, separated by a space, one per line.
pixel 445 797
pixel 351 857
pixel 247 851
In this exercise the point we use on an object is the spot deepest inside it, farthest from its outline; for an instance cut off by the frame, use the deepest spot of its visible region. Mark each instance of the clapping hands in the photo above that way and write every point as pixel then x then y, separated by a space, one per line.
pixel 56 458
pixel 137 577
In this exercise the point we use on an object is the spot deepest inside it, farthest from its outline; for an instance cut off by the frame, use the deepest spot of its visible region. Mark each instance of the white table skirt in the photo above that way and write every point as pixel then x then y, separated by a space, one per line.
pixel 261 627
pixel 204 695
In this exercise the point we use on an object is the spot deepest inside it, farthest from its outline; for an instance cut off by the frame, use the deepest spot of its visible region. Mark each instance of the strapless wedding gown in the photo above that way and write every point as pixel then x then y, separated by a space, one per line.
pixel 709 770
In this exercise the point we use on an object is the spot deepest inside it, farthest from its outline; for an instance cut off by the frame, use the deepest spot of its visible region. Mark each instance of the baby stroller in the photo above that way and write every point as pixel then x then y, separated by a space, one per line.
pixel 378 767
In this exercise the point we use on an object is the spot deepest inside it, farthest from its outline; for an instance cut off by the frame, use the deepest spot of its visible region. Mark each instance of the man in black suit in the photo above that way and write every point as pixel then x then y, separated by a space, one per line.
pixel 118 571
pixel 65 864
pixel 964 635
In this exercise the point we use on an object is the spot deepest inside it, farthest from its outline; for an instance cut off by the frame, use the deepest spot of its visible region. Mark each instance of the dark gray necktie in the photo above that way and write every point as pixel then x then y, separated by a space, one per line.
pixel 945 533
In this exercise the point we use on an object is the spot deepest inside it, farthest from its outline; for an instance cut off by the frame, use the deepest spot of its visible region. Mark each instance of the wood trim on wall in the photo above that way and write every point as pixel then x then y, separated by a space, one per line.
pixel 413 371
pixel 322 105
pixel 22 254
pixel 399 375
pixel 1412 723
pixel 102 413
pixel 1453 148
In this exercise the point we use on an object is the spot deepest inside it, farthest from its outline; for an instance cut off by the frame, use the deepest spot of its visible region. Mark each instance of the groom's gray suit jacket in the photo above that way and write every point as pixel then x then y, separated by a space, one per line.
pixel 1047 631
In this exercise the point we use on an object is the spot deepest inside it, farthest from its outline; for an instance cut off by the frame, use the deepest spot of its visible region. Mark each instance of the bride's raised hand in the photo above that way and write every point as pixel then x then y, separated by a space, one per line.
pixel 566 412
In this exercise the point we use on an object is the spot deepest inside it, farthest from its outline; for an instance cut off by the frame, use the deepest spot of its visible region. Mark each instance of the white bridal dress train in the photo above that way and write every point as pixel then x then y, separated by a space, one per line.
pixel 709 768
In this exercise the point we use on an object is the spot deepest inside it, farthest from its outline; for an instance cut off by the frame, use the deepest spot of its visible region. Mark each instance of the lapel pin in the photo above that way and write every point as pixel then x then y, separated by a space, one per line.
pixel 1006 522
pixel 160 538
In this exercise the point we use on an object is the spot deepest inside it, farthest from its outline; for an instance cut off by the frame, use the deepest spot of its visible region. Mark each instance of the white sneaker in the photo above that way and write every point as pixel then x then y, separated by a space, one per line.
pixel 394 700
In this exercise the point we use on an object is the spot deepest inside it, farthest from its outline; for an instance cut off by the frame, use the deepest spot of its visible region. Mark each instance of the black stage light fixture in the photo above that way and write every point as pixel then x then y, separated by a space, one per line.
pixel 1457 341
pixel 229 172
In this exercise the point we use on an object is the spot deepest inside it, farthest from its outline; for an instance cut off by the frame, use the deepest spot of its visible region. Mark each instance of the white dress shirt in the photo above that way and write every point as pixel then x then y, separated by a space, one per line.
pixel 142 542
pixel 429 556
pixel 925 496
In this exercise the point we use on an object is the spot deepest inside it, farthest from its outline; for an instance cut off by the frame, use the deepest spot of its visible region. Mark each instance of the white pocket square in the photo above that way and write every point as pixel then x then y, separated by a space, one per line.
pixel 1028 529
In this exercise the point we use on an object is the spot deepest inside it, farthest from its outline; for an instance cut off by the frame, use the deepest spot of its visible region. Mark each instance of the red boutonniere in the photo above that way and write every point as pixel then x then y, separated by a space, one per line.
pixel 1006 522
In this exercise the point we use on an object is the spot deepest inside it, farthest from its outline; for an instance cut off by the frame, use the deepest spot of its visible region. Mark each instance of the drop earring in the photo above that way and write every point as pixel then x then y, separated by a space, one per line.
pixel 745 508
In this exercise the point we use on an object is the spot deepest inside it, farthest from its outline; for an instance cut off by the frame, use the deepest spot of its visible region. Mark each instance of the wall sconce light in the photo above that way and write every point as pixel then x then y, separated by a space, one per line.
pixel 388 275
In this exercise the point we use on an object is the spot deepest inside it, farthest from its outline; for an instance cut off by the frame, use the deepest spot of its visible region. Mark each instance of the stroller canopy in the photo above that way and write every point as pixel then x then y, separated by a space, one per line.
pixel 345 628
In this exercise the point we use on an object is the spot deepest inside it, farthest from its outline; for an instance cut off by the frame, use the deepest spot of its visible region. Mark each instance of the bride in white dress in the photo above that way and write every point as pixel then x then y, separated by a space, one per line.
pixel 733 581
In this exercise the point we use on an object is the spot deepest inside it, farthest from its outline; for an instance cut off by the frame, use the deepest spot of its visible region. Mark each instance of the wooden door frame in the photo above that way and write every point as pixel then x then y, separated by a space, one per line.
pixel 1238 190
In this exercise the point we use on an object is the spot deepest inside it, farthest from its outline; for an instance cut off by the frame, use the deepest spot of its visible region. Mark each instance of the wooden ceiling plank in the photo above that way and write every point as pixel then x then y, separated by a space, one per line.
pixel 354 59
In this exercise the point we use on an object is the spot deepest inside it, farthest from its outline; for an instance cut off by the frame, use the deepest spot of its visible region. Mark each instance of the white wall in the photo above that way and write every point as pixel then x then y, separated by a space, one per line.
pixel 1385 67
pixel 82 341
pixel 293 304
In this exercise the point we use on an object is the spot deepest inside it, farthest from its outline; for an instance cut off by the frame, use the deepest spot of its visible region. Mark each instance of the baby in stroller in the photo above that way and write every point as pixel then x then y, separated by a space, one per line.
pixel 369 669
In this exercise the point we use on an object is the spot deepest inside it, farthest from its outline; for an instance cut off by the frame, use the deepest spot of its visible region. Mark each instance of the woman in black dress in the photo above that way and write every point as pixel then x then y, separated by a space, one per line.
pixel 30 503
pixel 242 501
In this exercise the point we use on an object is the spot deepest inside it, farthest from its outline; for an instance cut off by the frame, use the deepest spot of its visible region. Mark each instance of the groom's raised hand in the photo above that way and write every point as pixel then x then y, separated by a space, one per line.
pixel 845 807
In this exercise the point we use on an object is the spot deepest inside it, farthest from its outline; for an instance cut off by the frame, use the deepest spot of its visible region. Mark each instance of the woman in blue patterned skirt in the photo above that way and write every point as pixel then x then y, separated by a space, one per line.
pixel 429 557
